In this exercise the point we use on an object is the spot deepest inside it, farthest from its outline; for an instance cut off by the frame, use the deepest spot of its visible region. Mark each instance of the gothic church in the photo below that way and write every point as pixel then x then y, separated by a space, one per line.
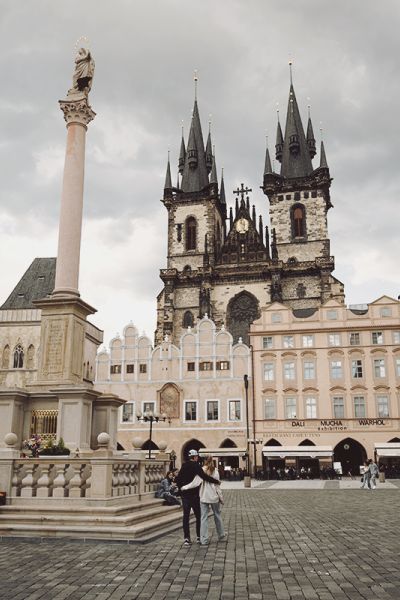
pixel 226 264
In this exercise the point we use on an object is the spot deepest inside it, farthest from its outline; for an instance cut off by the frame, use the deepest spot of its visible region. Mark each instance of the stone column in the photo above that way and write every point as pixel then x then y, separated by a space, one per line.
pixel 77 114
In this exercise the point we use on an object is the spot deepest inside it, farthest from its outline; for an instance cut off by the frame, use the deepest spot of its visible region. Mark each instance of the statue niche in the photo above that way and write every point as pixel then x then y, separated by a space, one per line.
pixel 169 396
pixel 242 310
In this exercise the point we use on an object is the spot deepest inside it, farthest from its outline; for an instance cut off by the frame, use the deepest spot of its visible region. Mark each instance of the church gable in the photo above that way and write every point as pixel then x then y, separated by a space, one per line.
pixel 244 242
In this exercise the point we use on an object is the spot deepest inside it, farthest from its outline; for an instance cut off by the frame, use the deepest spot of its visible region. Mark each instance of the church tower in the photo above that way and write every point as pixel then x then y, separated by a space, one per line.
pixel 196 230
pixel 299 198
pixel 226 264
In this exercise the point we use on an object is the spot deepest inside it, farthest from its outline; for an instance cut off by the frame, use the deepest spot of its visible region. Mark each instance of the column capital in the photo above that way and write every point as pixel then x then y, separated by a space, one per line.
pixel 77 110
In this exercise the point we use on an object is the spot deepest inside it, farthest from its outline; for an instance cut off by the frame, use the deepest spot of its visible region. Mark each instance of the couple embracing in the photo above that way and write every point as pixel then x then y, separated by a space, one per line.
pixel 200 490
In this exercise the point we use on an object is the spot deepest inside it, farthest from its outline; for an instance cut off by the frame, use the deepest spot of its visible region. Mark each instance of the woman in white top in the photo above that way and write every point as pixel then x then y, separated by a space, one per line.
pixel 210 496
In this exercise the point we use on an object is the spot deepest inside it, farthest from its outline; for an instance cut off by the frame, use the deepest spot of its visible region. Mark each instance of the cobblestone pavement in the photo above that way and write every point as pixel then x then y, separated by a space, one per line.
pixel 297 545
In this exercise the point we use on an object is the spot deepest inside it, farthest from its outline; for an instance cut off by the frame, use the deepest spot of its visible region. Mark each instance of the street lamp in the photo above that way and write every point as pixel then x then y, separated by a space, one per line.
pixel 246 389
pixel 150 417
pixel 255 441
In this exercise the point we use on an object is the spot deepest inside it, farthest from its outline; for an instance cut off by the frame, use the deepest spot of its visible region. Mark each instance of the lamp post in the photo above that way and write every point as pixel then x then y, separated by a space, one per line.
pixel 246 389
pixel 150 417
pixel 255 441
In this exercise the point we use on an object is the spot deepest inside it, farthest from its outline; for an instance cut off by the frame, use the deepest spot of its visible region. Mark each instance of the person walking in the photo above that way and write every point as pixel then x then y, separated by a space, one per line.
pixel 210 497
pixel 374 472
pixel 366 478
pixel 190 497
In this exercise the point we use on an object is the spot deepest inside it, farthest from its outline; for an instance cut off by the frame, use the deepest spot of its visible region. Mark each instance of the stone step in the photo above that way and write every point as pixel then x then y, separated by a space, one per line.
pixel 68 509
pixel 141 532
pixel 94 518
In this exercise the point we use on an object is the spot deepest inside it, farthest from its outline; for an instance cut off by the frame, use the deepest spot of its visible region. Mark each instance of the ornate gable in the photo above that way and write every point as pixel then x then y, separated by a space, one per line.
pixel 244 243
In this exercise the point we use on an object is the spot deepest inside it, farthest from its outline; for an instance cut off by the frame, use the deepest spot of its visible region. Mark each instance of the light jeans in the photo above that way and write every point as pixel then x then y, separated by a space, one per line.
pixel 216 508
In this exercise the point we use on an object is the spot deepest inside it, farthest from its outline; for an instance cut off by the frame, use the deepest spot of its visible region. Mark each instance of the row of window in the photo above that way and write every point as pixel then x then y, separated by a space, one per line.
pixel 190 410
pixel 336 369
pixel 338 407
pixel 130 368
pixel 220 365
pixel 19 359
pixel 333 339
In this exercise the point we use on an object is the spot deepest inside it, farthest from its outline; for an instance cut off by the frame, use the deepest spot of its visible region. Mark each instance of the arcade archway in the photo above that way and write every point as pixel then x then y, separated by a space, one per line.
pixel 351 454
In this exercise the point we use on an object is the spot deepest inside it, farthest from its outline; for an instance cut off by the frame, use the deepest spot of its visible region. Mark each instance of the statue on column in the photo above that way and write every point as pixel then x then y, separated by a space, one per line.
pixel 84 72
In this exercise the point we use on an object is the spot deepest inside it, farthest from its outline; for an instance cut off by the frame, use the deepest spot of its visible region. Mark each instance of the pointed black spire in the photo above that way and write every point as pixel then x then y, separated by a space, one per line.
pixel 230 218
pixel 222 197
pixel 182 155
pixel 323 162
pixel 279 142
pixel 236 207
pixel 209 151
pixel 253 215
pixel 310 137
pixel 268 167
pixel 213 176
pixel 248 204
pixel 195 175
pixel 260 227
pixel 168 180
pixel 296 160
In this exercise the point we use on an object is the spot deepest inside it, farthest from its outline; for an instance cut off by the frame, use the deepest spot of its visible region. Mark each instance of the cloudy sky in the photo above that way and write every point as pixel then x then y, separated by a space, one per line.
pixel 346 65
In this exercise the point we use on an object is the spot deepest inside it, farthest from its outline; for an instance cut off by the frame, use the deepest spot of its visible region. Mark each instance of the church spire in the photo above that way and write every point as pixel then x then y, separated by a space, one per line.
pixel 209 150
pixel 310 136
pixel 268 166
pixel 296 159
pixel 168 180
pixel 213 176
pixel 182 155
pixel 195 174
pixel 279 141
pixel 323 162
pixel 222 197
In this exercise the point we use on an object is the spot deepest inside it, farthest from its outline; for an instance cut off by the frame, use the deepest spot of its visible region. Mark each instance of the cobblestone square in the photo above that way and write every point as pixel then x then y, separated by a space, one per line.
pixel 326 544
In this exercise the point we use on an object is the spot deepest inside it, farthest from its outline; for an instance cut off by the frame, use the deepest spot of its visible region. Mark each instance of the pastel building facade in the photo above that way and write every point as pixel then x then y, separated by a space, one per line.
pixel 198 385
pixel 327 384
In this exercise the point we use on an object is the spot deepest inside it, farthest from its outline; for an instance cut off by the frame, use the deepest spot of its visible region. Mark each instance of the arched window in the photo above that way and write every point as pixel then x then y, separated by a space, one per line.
pixel 188 319
pixel 190 233
pixel 18 357
pixel 298 221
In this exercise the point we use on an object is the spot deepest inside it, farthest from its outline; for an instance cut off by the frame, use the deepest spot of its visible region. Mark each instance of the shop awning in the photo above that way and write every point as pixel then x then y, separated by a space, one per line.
pixel 222 451
pixel 298 451
pixel 389 449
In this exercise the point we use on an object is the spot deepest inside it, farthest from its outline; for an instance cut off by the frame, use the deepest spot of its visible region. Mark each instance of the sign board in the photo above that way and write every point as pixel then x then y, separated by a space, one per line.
pixel 338 468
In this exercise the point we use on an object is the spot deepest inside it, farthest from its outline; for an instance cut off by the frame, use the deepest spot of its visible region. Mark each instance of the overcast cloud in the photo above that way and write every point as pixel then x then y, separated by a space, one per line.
pixel 346 65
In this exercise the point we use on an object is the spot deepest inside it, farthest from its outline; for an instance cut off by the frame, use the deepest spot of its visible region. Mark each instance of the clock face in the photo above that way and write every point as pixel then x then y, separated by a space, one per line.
pixel 242 225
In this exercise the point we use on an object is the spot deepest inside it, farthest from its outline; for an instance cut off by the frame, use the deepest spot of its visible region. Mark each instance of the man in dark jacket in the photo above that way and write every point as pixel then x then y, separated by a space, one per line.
pixel 191 498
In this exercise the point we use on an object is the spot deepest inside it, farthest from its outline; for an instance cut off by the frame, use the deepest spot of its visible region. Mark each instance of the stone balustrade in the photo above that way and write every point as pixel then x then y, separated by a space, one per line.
pixel 72 478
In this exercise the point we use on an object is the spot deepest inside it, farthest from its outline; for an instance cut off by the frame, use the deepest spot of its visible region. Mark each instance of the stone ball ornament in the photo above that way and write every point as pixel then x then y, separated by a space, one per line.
pixel 162 446
pixel 137 442
pixel 103 439
pixel 11 439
